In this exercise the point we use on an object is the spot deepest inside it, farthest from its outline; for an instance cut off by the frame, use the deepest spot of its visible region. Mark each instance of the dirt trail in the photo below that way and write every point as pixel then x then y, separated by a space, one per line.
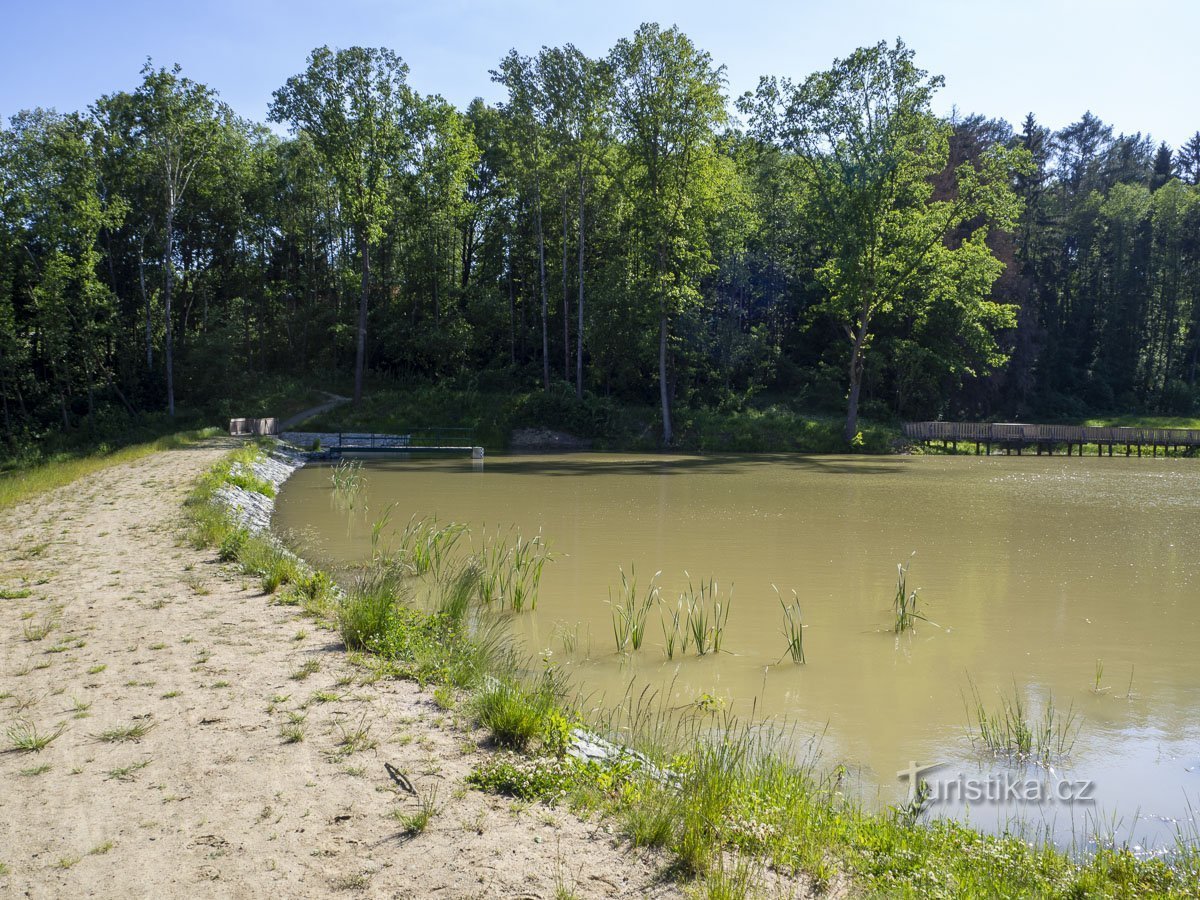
pixel 211 800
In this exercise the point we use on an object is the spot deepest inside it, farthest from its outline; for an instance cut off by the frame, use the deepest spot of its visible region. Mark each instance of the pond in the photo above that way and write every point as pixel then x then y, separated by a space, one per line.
pixel 1066 582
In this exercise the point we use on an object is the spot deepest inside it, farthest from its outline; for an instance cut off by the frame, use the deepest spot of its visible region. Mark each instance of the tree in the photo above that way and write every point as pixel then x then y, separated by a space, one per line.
pixel 50 182
pixel 871 149
pixel 1189 160
pixel 177 126
pixel 580 92
pixel 356 107
pixel 668 104
pixel 525 117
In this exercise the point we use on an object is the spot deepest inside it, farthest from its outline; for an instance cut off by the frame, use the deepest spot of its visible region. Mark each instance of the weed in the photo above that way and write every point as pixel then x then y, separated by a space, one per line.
pixel 34 770
pixel 310 667
pixel 121 734
pixel 25 737
pixel 707 615
pixel 196 583
pixel 427 807
pixel 14 593
pixel 515 715
pixel 36 631
pixel 292 731
pixel 97 669
pixel 347 479
pixel 356 737
pixel 369 607
pixel 511 569
pixel 126 773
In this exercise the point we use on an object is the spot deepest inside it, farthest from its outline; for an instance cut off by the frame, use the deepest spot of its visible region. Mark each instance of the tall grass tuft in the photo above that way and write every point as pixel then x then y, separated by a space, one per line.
pixel 369 607
pixel 518 716
pixel 347 480
pixel 427 546
pixel 793 628
pixel 456 592
pixel 1014 733
pixel 707 614
pixel 511 569
pixel 630 609
pixel 904 604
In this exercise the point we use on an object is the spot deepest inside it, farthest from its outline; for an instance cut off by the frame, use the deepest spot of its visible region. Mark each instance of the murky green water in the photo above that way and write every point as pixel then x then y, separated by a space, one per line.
pixel 1032 568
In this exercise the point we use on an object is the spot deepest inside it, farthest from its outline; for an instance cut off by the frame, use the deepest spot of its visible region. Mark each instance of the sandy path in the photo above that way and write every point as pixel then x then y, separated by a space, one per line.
pixel 211 801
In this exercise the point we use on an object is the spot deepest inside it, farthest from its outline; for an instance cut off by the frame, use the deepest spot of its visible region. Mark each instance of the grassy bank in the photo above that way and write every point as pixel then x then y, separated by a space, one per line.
pixel 765 427
pixel 730 806
pixel 22 482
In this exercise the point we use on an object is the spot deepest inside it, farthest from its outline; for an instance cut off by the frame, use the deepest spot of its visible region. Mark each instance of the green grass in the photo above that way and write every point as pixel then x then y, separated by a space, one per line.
pixel 26 737
pixel 413 823
pixel 22 484
pixel 122 734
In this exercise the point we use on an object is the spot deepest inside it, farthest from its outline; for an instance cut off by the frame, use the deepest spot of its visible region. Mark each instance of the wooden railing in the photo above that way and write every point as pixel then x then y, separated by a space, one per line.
pixel 1016 433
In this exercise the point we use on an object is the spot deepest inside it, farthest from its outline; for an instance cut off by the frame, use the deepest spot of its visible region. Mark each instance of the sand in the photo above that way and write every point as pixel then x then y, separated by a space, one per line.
pixel 211 800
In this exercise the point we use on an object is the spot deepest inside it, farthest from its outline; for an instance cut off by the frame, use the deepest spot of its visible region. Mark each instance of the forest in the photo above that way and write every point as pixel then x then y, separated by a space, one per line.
pixel 615 228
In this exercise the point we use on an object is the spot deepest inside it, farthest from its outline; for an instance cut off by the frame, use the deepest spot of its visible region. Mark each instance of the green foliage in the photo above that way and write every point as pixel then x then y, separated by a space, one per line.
pixel 369 609
pixel 519 716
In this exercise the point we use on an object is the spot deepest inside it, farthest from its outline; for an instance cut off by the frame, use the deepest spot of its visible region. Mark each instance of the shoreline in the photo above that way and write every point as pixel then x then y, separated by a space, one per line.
pixel 208 740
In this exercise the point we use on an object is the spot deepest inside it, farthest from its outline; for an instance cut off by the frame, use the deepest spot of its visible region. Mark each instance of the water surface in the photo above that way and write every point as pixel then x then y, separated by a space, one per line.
pixel 1032 568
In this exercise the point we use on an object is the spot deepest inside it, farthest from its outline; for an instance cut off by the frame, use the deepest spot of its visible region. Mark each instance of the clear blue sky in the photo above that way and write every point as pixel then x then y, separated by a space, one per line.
pixel 1135 65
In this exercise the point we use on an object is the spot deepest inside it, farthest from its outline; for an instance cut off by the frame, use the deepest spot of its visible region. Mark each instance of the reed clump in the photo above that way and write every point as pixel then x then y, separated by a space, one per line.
pixel 347 480
pixel 630 609
pixel 793 627
pixel 904 604
pixel 511 567
pixel 698 619
pixel 1012 731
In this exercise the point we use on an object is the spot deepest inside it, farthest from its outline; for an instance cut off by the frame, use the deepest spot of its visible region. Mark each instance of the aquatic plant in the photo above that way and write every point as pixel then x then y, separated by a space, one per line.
pixel 707 614
pixel 1014 733
pixel 511 573
pixel 427 546
pixel 793 627
pixel 677 636
pixel 347 479
pixel 904 605
pixel 630 609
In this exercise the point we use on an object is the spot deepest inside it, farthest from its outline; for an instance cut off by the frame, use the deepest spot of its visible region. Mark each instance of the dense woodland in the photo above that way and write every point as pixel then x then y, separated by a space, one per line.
pixel 617 227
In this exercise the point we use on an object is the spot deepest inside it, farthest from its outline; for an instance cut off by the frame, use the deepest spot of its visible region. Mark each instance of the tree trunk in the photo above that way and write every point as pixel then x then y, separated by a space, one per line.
pixel 542 278
pixel 512 313
pixel 566 297
pixel 360 352
pixel 856 368
pixel 664 393
pixel 146 303
pixel 169 350
pixel 579 305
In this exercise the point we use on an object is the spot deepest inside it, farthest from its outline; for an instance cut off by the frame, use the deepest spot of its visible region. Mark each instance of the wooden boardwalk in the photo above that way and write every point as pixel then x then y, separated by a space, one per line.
pixel 1010 436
